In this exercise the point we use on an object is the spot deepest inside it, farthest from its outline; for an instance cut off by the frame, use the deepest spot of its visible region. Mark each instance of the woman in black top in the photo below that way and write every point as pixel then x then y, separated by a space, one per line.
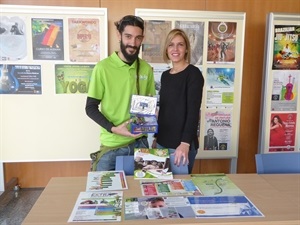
pixel 180 101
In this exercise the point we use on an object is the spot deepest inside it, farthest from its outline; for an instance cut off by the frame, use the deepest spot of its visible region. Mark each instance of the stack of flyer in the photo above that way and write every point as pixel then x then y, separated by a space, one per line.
pixel 102 199
pixel 152 163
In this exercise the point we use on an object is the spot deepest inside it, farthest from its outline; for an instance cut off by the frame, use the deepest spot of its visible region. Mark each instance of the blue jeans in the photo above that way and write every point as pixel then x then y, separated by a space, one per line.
pixel 192 155
pixel 108 161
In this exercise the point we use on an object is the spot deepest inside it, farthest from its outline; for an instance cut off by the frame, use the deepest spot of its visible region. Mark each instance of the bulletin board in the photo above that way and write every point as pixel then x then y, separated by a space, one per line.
pixel 217 42
pixel 46 58
pixel 279 118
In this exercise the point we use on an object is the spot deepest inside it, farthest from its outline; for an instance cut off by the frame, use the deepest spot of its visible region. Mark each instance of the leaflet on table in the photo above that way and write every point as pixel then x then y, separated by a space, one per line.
pixel 216 185
pixel 169 187
pixel 97 207
pixel 152 163
pixel 157 208
pixel 106 181
pixel 189 207
pixel 143 117
pixel 223 206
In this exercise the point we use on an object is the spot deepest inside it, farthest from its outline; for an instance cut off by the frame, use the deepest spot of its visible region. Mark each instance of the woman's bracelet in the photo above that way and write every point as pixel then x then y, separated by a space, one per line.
pixel 184 143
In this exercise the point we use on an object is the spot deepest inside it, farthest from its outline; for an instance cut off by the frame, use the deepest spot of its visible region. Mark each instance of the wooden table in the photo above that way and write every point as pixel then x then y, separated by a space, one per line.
pixel 276 196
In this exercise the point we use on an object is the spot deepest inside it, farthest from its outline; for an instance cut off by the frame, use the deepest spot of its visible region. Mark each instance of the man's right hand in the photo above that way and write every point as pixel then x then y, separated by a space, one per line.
pixel 122 129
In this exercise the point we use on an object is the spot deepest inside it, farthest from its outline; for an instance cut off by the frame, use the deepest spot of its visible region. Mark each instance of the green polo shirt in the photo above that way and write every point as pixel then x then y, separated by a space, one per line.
pixel 113 82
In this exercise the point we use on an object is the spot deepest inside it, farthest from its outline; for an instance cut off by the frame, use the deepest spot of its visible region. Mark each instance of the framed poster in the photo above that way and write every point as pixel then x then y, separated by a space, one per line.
pixel 280 103
pixel 217 40
pixel 47 55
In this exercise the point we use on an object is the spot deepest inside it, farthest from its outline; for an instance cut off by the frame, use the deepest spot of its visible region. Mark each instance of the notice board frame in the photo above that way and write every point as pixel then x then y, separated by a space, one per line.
pixel 209 111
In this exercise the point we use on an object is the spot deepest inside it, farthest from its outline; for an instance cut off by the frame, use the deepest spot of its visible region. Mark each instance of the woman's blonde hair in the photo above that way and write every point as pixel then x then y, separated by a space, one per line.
pixel 168 40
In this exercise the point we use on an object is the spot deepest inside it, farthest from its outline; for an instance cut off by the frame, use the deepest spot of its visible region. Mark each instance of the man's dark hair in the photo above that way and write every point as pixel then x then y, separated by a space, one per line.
pixel 129 20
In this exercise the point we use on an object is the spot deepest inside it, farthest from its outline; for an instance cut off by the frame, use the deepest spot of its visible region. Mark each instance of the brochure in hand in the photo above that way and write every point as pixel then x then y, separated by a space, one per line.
pixel 152 163
pixel 142 110
pixel 106 181
pixel 97 207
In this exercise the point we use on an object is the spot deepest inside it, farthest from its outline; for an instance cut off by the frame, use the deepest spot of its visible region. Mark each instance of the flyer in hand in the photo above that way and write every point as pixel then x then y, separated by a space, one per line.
pixel 152 163
pixel 106 181
pixel 97 207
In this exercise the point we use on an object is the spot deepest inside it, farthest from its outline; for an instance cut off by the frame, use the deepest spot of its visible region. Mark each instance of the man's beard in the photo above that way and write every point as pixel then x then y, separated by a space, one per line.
pixel 129 57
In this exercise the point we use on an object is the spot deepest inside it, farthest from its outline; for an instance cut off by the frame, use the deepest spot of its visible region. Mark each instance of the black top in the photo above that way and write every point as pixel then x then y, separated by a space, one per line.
pixel 179 107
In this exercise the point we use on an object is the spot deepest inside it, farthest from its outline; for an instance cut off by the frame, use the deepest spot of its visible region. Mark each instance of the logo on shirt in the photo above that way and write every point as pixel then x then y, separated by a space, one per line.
pixel 143 77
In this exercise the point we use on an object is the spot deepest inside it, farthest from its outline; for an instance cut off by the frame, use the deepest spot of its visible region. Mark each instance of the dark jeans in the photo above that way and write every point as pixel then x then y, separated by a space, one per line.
pixel 108 161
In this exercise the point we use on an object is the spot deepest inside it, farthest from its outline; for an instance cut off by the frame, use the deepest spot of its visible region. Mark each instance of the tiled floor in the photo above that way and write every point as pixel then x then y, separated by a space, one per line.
pixel 15 205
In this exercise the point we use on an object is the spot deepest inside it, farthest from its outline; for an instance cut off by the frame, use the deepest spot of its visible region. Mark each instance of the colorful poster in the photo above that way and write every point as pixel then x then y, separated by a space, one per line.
pixel 195 32
pixel 12 38
pixel 286 47
pixel 218 126
pixel 282 132
pixel 20 79
pixel 47 39
pixel 221 42
pixel 155 34
pixel 84 40
pixel 285 90
pixel 72 79
pixel 220 87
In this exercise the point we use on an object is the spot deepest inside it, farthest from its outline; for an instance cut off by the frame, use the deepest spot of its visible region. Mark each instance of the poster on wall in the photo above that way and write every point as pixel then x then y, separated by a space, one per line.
pixel 282 132
pixel 221 42
pixel 20 79
pixel 285 90
pixel 220 87
pixel 84 40
pixel 72 79
pixel 12 38
pixel 195 33
pixel 286 47
pixel 218 130
pixel 47 39
pixel 155 33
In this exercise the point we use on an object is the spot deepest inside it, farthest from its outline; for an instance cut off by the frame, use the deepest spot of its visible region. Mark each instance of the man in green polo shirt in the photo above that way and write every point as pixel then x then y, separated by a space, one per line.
pixel 113 82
